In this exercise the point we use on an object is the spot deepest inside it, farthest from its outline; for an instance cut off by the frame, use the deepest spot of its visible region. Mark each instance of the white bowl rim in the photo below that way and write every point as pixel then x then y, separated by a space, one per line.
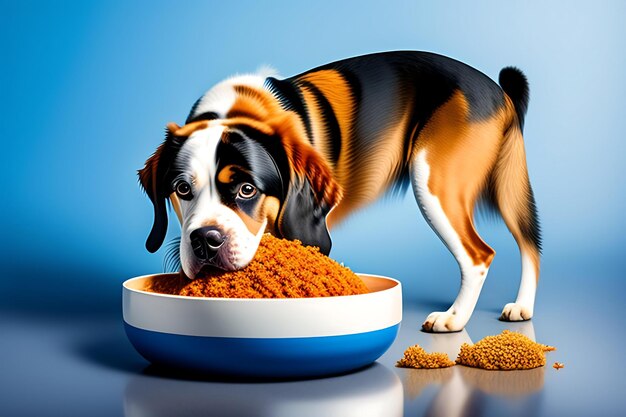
pixel 126 287
pixel 265 317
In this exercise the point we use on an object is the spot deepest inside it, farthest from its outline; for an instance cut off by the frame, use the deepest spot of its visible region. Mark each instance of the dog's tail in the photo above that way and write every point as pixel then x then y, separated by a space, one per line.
pixel 508 190
pixel 515 85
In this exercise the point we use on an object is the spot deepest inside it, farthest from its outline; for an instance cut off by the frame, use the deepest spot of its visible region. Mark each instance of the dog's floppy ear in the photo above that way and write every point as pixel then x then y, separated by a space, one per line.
pixel 312 191
pixel 152 180
pixel 303 217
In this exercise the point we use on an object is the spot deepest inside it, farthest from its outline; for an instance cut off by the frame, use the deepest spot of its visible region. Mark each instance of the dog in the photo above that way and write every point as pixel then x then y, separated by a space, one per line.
pixel 293 157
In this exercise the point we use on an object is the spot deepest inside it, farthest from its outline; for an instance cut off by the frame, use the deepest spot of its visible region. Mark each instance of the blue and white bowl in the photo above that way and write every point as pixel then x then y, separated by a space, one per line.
pixel 263 337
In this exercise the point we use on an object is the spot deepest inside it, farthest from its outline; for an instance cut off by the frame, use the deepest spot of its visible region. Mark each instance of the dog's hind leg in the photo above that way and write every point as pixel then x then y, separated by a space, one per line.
pixel 514 198
pixel 448 209
pixel 450 166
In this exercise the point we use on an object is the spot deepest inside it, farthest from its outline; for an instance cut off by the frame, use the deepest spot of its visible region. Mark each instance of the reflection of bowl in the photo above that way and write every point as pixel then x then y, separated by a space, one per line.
pixel 374 391
pixel 287 337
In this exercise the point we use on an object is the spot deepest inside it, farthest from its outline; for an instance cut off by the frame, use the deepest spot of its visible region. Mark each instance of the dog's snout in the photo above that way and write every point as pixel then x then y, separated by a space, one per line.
pixel 206 241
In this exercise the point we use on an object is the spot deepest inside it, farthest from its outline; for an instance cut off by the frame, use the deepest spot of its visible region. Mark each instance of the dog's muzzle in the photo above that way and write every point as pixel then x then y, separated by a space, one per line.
pixel 206 242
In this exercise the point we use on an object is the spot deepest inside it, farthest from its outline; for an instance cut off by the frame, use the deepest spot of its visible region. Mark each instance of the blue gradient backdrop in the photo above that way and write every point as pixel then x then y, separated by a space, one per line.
pixel 88 87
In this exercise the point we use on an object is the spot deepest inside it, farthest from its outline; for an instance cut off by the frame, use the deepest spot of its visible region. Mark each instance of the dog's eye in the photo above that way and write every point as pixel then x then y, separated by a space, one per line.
pixel 183 189
pixel 246 190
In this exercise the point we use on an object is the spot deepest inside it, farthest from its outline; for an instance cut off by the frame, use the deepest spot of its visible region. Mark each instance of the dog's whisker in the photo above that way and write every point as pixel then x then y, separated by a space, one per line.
pixel 171 261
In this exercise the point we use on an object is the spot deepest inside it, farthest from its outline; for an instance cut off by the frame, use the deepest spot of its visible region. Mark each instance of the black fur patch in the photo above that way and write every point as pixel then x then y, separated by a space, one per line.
pixel 193 109
pixel 209 115
pixel 532 229
pixel 515 85
pixel 354 84
pixel 303 218
pixel 332 130
pixel 290 98
pixel 258 165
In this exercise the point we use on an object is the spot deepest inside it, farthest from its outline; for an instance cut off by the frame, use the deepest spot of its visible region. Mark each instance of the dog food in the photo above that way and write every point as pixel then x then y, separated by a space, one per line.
pixel 416 357
pixel 558 365
pixel 508 350
pixel 280 269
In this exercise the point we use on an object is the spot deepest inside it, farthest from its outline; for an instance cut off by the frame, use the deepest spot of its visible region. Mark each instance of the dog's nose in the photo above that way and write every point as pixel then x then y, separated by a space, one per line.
pixel 206 241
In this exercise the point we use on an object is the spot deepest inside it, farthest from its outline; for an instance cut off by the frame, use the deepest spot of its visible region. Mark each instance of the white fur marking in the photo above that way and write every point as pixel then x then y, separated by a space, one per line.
pixel 198 155
pixel 431 207
pixel 197 159
pixel 524 305
pixel 528 285
pixel 221 98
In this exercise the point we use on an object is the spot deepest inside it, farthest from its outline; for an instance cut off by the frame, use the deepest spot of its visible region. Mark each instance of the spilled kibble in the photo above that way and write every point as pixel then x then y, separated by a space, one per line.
pixel 558 365
pixel 416 357
pixel 507 351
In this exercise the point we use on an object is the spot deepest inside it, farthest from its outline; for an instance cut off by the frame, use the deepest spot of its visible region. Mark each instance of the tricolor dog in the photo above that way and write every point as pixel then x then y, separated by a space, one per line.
pixel 295 156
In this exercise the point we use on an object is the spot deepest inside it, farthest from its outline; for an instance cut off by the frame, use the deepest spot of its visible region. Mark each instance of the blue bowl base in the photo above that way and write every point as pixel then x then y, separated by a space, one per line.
pixel 303 357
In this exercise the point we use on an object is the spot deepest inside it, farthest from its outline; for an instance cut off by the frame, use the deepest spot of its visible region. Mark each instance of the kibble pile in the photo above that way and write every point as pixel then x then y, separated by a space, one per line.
pixel 416 357
pixel 508 350
pixel 280 269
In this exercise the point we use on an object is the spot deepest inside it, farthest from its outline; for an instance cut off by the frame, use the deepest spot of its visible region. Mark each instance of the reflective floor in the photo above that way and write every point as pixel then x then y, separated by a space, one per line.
pixel 85 366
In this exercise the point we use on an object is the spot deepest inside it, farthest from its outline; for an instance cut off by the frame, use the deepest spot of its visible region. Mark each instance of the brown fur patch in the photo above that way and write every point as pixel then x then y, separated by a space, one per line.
pixel 176 204
pixel 337 91
pixel 513 191
pixel 148 174
pixel 461 155
pixel 315 117
pixel 226 174
pixel 252 224
pixel 252 103
pixel 267 209
pixel 188 129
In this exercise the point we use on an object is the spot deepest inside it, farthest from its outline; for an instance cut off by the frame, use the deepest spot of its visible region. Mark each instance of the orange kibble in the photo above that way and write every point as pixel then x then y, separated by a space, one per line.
pixel 558 365
pixel 280 269
pixel 508 350
pixel 416 357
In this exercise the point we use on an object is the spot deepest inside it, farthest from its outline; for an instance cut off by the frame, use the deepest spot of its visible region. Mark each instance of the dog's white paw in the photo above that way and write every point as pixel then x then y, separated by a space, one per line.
pixel 443 322
pixel 516 312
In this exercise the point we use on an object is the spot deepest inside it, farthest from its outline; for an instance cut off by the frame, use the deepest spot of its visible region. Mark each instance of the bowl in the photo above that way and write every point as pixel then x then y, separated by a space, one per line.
pixel 263 337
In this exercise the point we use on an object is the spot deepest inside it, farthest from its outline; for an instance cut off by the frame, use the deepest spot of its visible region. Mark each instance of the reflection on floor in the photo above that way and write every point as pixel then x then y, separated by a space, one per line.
pixel 461 388
pixel 374 391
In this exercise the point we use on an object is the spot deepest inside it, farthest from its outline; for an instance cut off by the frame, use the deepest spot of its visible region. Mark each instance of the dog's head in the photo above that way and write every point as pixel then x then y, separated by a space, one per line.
pixel 232 179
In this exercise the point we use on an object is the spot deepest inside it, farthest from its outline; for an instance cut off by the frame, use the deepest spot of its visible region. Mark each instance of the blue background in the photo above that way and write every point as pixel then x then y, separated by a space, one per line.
pixel 87 88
